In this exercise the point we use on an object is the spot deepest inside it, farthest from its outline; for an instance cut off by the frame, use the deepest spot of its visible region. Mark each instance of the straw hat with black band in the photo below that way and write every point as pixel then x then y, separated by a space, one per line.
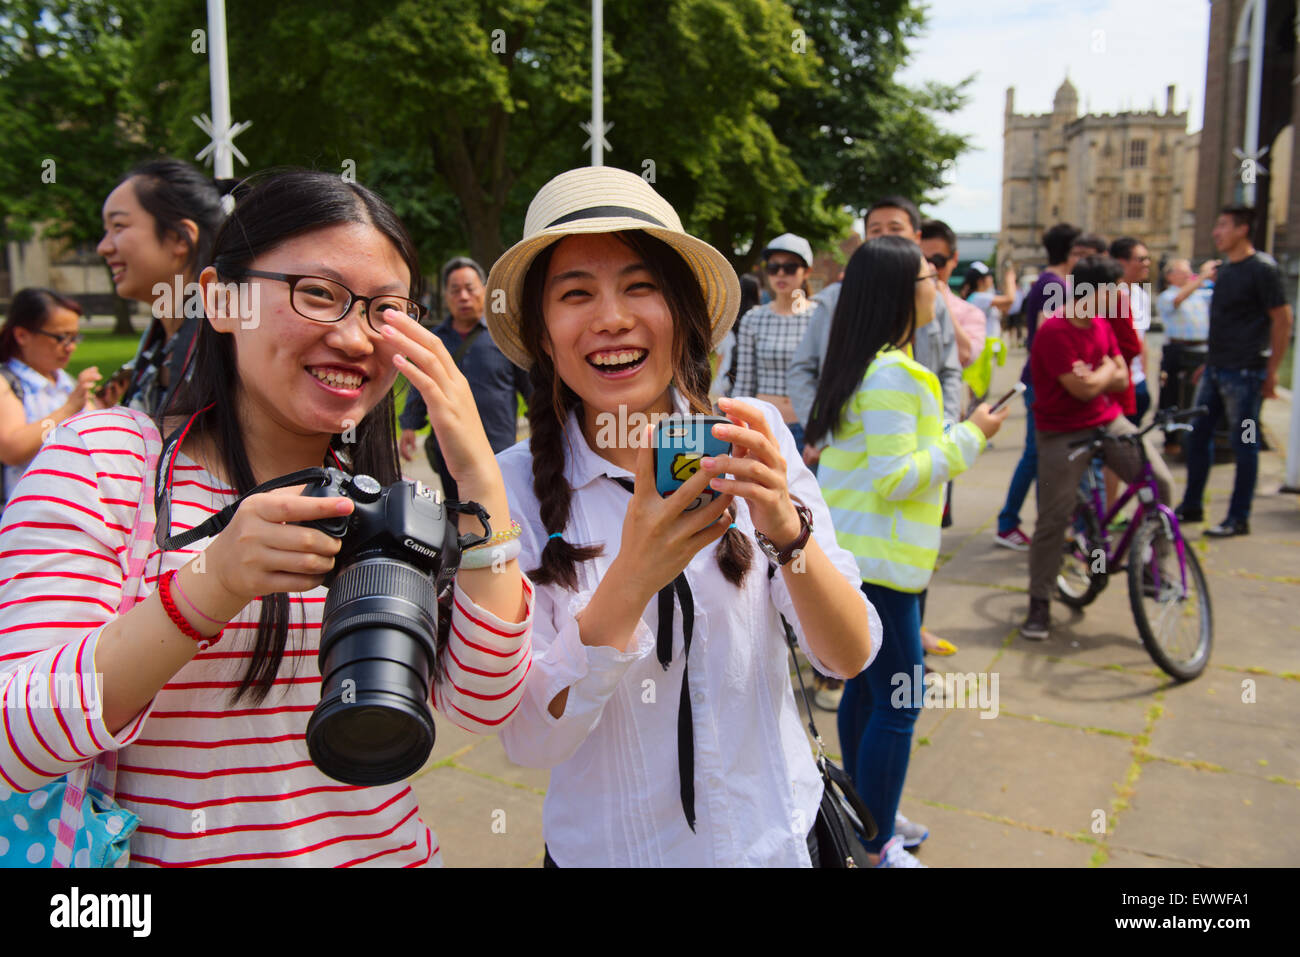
pixel 601 199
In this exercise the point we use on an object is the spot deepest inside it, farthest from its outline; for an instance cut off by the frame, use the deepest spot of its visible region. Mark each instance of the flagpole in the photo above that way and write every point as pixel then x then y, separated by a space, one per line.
pixel 223 163
pixel 597 86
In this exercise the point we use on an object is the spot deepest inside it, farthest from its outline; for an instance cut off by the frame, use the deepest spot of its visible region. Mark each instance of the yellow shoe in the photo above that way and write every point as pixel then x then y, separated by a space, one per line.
pixel 942 647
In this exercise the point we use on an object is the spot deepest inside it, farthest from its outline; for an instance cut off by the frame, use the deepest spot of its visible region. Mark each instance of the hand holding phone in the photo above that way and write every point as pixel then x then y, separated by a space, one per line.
pixel 679 442
pixel 997 406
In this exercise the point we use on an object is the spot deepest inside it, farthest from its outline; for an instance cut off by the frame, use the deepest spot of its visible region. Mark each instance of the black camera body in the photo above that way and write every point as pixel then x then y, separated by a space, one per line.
pixel 408 522
pixel 378 639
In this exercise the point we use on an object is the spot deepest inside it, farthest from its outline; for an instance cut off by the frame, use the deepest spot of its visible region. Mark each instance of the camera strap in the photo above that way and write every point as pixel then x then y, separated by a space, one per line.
pixel 162 501
pixel 222 518
pixel 664 652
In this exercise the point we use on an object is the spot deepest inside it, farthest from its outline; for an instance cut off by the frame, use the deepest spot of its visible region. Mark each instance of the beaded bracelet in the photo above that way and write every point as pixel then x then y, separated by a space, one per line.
pixel 177 619
pixel 483 557
pixel 500 538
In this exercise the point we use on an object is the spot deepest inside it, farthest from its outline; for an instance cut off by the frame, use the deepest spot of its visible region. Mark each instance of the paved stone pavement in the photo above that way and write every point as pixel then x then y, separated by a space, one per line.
pixel 1095 758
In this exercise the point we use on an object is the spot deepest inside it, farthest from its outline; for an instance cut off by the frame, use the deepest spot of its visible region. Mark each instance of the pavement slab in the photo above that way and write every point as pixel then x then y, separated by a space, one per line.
pixel 1214 819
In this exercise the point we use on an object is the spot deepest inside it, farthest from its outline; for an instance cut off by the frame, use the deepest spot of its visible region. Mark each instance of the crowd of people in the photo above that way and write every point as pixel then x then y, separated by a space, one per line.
pixel 849 414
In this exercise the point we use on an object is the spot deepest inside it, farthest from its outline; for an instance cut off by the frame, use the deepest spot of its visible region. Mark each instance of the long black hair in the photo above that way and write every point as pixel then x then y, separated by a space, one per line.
pixel 171 190
pixel 876 310
pixel 552 400
pixel 29 309
pixel 279 206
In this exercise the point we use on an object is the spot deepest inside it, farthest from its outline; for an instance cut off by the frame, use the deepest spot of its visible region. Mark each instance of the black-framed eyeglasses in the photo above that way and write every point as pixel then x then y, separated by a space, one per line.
pixel 326 300
pixel 62 338
pixel 788 268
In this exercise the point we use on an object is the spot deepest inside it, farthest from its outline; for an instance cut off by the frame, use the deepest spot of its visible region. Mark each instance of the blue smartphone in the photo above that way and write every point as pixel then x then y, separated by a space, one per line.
pixel 679 442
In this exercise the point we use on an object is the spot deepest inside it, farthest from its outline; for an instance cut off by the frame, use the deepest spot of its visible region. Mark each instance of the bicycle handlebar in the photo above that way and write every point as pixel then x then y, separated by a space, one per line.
pixel 1163 420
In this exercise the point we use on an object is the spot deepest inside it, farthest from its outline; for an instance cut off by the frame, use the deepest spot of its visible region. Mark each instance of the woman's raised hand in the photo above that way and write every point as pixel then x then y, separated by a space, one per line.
pixel 659 536
pixel 428 366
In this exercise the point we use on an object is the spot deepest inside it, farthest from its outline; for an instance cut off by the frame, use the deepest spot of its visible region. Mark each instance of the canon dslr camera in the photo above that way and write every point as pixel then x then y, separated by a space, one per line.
pixel 378 648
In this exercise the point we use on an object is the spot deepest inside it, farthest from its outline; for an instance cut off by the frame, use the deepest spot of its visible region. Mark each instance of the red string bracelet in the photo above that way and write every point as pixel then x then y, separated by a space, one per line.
pixel 179 620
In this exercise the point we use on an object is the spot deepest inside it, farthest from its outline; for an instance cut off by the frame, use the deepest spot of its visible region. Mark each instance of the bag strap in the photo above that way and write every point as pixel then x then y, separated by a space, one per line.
pixel 791 643
pixel 102 771
pixel 465 344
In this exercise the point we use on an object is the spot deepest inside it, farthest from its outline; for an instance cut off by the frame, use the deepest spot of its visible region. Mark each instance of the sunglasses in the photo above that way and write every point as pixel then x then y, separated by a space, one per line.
pixel 62 338
pixel 788 268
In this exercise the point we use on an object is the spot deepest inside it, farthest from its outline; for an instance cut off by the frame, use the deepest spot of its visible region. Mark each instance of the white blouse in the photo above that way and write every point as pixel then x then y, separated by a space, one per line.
pixel 614 797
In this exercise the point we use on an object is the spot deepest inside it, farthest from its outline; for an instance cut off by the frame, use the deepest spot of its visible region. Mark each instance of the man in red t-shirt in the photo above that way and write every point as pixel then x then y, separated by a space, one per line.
pixel 1078 372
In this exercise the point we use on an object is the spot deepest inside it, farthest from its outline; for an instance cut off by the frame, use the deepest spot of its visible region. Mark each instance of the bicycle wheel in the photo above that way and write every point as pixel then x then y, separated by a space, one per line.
pixel 1175 622
pixel 1083 574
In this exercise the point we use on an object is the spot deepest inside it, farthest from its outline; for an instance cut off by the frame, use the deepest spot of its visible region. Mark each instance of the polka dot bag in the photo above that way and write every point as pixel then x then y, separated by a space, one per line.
pixel 75 821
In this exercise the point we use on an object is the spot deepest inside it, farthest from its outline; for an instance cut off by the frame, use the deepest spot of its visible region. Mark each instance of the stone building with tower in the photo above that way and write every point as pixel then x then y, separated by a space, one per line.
pixel 1117 174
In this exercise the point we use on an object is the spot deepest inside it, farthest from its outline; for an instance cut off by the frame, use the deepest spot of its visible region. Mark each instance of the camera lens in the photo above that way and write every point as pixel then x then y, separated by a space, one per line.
pixel 377 656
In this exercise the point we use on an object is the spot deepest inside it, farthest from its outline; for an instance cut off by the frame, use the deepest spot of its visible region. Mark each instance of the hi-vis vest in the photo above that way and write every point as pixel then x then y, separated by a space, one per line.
pixel 883 471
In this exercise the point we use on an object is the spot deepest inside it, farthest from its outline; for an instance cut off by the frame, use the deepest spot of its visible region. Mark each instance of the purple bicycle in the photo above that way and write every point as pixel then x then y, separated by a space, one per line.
pixel 1166 587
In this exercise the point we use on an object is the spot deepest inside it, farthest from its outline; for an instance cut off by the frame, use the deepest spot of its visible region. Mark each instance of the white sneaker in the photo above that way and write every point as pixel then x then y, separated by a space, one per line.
pixel 828 699
pixel 913 834
pixel 893 854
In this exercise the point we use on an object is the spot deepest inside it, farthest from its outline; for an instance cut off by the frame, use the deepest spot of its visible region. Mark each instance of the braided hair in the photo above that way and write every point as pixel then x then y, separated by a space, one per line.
pixel 552 401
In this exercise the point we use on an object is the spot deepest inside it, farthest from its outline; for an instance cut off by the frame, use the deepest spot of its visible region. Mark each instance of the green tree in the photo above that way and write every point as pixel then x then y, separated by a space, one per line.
pixel 751 116
pixel 869 135
pixel 68 119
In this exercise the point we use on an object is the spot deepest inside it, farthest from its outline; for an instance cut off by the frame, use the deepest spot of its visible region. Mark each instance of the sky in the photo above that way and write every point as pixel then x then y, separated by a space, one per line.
pixel 1119 54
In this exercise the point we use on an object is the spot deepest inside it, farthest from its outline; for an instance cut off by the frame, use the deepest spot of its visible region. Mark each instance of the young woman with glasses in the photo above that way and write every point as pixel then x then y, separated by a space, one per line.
pixel 209 680
pixel 37 340
pixel 770 333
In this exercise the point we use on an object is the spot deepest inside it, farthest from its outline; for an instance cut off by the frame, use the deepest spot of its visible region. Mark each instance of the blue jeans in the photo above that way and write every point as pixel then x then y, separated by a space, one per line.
pixel 875 736
pixel 796 429
pixel 1024 475
pixel 1236 393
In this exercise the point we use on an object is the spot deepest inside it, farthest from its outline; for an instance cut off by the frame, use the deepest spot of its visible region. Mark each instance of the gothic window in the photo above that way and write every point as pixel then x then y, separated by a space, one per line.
pixel 1135 206
pixel 1137 154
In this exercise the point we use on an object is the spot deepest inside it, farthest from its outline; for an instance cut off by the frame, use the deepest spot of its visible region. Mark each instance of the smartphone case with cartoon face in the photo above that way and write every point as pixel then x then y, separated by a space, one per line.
pixel 680 441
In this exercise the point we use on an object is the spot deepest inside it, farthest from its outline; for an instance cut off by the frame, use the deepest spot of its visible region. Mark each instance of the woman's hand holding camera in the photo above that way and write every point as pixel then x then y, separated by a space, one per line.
pixel 265 550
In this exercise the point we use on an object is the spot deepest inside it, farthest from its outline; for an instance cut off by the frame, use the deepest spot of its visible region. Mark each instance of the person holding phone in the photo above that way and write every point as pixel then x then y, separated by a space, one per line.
pixel 886 459
pixel 206 685
pixel 660 694
pixel 39 336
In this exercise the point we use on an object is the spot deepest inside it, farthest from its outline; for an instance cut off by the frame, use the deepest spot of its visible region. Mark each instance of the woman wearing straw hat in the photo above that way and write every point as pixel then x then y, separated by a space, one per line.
pixel 613 309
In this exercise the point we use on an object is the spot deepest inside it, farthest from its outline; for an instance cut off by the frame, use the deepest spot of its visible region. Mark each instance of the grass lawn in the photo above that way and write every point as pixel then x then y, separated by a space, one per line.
pixel 103 349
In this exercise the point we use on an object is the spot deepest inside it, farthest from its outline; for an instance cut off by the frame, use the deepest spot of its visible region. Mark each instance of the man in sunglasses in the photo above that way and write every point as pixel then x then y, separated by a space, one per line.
pixel 939 246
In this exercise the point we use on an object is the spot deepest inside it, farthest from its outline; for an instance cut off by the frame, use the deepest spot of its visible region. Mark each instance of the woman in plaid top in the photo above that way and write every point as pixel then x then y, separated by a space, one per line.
pixel 770 333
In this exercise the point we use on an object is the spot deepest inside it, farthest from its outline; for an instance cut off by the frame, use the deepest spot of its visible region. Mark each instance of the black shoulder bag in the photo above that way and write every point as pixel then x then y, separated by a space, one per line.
pixel 843 821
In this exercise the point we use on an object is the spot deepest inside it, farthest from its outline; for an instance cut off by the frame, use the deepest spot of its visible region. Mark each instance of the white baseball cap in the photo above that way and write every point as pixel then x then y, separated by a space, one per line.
pixel 790 243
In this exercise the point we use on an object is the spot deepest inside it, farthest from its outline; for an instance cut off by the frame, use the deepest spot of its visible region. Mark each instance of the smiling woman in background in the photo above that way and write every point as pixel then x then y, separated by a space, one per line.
pixel 39 336
pixel 158 228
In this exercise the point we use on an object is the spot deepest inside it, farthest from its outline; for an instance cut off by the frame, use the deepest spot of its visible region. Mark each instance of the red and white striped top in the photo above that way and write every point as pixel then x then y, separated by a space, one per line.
pixel 213 782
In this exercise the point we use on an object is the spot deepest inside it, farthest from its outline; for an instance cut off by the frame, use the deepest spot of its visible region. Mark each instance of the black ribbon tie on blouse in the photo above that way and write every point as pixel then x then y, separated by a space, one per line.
pixel 664 652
